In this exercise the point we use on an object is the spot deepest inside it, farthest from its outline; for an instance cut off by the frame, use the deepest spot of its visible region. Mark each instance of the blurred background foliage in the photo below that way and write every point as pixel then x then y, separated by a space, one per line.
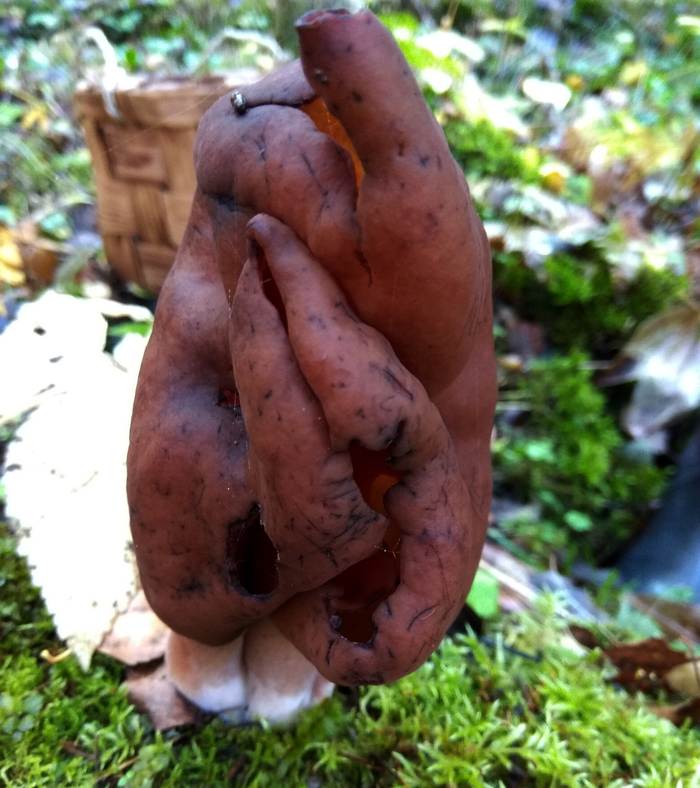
pixel 577 124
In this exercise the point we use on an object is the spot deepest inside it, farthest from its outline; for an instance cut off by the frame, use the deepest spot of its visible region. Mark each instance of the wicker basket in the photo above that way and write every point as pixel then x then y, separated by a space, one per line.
pixel 143 167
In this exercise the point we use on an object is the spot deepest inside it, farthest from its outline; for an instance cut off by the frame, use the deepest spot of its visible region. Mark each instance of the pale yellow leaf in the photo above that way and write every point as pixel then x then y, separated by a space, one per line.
pixel 544 91
pixel 11 270
pixel 685 678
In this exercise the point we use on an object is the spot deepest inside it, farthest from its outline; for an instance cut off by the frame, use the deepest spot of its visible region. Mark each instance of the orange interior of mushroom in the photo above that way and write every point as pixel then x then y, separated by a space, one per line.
pixel 328 124
pixel 367 584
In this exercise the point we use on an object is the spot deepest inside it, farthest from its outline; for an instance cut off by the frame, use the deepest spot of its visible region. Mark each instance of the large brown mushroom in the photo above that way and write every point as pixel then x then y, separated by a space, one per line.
pixel 309 459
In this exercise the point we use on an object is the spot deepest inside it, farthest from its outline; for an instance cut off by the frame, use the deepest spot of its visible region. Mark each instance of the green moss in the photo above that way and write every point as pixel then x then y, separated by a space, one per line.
pixel 481 149
pixel 25 627
pixel 473 715
pixel 579 300
pixel 566 453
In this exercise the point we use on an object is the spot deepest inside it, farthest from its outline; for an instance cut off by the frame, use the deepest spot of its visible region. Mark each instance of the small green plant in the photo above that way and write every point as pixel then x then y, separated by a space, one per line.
pixel 481 150
pixel 579 299
pixel 566 452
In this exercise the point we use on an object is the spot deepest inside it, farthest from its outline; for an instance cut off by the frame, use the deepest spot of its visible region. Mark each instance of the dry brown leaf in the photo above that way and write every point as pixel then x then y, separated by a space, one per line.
pixel 138 635
pixel 584 636
pixel 679 714
pixel 643 665
pixel 154 694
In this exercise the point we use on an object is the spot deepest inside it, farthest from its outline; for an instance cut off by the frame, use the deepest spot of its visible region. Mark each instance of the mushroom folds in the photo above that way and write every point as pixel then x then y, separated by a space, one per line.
pixel 310 437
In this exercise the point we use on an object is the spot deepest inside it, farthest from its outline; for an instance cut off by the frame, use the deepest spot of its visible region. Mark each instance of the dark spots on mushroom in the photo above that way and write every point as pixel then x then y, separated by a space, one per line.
pixel 424 161
pixel 402 148
pixel 331 643
pixel 309 165
pixel 267 394
pixel 260 143
pixel 226 202
pixel 348 49
pixel 396 384
pixel 390 653
pixel 319 76
pixel 317 322
pixel 354 677
pixel 422 614
pixel 330 556
pixel 418 659
pixel 194 586
pixel 365 264
pixel 357 97
pixel 343 307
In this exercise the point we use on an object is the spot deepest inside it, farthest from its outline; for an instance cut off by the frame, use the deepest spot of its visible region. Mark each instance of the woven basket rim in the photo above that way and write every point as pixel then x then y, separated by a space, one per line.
pixel 150 85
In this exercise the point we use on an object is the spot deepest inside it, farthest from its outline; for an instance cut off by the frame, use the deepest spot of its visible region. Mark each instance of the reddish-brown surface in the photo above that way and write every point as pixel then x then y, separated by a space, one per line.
pixel 341 290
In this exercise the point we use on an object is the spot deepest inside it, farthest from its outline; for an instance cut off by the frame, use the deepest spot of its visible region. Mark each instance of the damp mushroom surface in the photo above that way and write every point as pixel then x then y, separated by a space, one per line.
pixel 309 473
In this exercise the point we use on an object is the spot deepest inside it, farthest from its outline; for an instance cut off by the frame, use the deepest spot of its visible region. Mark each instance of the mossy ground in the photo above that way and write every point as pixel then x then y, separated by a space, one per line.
pixel 474 715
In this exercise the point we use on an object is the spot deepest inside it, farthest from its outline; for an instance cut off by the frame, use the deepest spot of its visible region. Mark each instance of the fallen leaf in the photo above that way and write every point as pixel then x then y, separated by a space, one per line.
pixel 665 351
pixel 11 270
pixel 678 715
pixel 692 22
pixel 685 678
pixel 643 665
pixel 39 255
pixel 443 43
pixel 584 636
pixel 137 636
pixel 544 91
pixel 65 469
pixel 153 693
pixel 476 104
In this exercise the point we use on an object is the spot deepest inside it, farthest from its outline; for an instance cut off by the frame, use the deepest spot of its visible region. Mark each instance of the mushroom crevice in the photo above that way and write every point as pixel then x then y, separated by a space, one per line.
pixel 309 472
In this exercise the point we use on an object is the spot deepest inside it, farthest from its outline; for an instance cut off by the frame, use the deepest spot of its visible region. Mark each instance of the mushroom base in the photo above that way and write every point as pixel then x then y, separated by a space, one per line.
pixel 259 675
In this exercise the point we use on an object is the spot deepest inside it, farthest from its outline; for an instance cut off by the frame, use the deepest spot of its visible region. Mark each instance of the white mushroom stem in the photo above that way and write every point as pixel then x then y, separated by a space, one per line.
pixel 260 674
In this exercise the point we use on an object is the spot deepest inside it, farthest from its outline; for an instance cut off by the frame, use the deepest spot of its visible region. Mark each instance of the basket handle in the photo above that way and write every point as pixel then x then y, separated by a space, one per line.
pixel 112 73
pixel 247 36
